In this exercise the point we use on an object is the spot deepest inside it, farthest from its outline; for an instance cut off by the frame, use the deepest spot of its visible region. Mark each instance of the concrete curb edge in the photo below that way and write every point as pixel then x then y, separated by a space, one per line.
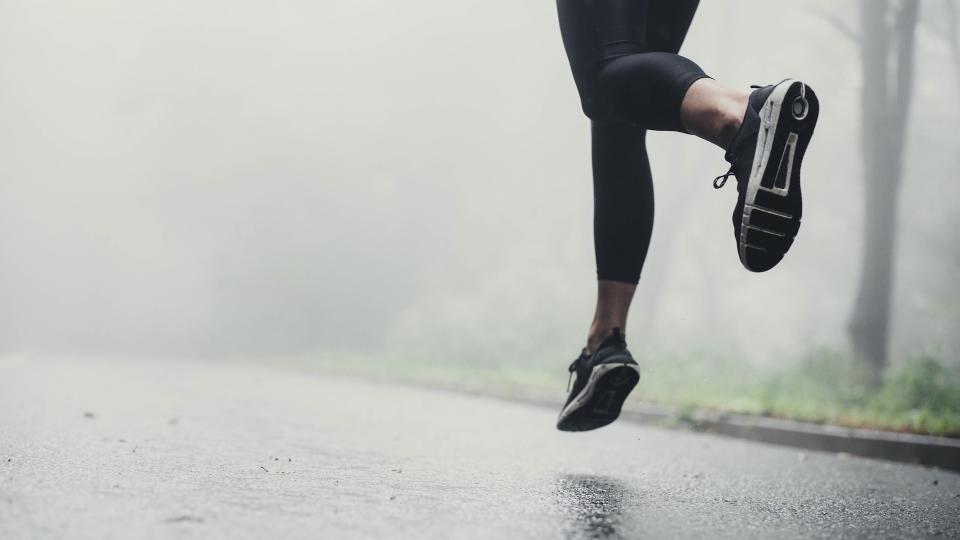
pixel 941 452
pixel 931 451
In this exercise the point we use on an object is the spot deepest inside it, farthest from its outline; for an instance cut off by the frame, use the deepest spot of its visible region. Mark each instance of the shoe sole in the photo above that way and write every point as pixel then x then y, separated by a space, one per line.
pixel 601 399
pixel 769 222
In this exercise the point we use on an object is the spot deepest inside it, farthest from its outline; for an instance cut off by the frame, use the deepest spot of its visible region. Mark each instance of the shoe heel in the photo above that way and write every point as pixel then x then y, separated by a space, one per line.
pixel 803 106
pixel 800 107
pixel 621 377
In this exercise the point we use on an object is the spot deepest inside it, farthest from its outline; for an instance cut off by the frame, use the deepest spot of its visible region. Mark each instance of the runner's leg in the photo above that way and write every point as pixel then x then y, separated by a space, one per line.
pixel 596 36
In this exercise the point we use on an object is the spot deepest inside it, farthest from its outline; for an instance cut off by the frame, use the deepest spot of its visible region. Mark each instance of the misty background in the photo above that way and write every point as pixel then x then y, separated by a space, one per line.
pixel 371 179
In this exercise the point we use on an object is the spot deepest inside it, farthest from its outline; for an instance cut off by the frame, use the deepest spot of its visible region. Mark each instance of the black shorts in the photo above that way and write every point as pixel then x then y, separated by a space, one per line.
pixel 599 34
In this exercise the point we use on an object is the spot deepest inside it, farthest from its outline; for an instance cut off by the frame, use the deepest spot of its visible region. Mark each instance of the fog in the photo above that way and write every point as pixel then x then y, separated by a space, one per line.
pixel 374 178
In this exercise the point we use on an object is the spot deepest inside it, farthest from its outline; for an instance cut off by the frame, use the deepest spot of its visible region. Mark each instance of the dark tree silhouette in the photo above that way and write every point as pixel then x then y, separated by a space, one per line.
pixel 886 47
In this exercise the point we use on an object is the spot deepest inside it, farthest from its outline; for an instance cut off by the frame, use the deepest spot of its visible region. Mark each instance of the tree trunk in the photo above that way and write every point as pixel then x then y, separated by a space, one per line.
pixel 887 52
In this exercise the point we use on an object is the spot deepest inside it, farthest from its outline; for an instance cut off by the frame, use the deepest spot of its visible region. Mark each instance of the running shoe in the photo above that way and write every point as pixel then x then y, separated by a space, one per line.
pixel 604 379
pixel 765 157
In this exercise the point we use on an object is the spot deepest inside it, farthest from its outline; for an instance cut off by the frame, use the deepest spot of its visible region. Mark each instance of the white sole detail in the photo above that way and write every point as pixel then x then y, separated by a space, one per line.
pixel 800 107
pixel 749 208
pixel 768 231
pixel 769 118
pixel 789 150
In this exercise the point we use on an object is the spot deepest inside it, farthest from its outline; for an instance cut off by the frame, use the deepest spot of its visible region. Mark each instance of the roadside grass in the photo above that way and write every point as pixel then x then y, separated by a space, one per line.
pixel 919 395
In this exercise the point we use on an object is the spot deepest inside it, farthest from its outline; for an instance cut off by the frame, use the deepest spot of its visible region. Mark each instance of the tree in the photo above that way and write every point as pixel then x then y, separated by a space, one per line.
pixel 886 48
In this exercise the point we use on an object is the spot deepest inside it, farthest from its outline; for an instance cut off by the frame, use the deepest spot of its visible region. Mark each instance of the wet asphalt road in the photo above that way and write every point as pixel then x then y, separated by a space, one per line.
pixel 158 450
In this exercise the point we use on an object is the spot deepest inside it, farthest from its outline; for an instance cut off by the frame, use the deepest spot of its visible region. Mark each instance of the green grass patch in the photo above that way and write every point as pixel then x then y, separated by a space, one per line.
pixel 919 395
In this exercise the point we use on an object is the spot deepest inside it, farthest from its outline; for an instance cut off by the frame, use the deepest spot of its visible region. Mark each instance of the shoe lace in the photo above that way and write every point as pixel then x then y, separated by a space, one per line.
pixel 572 369
pixel 719 181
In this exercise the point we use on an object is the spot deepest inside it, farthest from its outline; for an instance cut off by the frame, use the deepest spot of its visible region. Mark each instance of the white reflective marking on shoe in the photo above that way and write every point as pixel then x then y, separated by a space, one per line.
pixel 800 107
pixel 789 150
pixel 767 210
pixel 765 138
pixel 745 246
pixel 768 231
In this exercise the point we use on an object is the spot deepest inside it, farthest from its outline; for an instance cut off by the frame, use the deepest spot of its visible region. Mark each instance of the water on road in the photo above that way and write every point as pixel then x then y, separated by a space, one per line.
pixel 173 449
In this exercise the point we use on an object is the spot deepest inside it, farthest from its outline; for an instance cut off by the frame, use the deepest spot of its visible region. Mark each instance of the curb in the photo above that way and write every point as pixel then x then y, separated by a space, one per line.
pixel 941 452
pixel 931 451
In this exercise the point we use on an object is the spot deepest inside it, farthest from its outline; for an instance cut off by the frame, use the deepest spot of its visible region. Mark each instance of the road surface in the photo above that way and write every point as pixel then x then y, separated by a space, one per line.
pixel 206 450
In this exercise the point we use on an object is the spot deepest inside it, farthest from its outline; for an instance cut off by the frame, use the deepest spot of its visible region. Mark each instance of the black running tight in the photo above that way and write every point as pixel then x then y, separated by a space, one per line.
pixel 623 54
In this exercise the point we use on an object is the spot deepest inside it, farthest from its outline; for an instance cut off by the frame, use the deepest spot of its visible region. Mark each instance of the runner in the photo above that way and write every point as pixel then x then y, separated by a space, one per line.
pixel 623 54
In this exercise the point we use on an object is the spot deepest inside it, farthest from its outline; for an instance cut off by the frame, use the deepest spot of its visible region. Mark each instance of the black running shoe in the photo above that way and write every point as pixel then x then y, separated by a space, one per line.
pixel 604 380
pixel 765 157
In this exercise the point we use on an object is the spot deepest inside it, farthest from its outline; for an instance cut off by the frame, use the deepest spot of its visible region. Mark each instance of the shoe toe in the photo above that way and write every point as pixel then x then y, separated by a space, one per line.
pixel 756 260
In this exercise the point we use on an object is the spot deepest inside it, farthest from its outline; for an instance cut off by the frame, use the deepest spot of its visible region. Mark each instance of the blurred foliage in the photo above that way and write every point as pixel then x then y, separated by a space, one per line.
pixel 918 395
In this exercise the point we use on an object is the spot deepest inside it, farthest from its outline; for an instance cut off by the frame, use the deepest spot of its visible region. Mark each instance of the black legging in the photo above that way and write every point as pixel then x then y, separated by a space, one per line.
pixel 630 79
